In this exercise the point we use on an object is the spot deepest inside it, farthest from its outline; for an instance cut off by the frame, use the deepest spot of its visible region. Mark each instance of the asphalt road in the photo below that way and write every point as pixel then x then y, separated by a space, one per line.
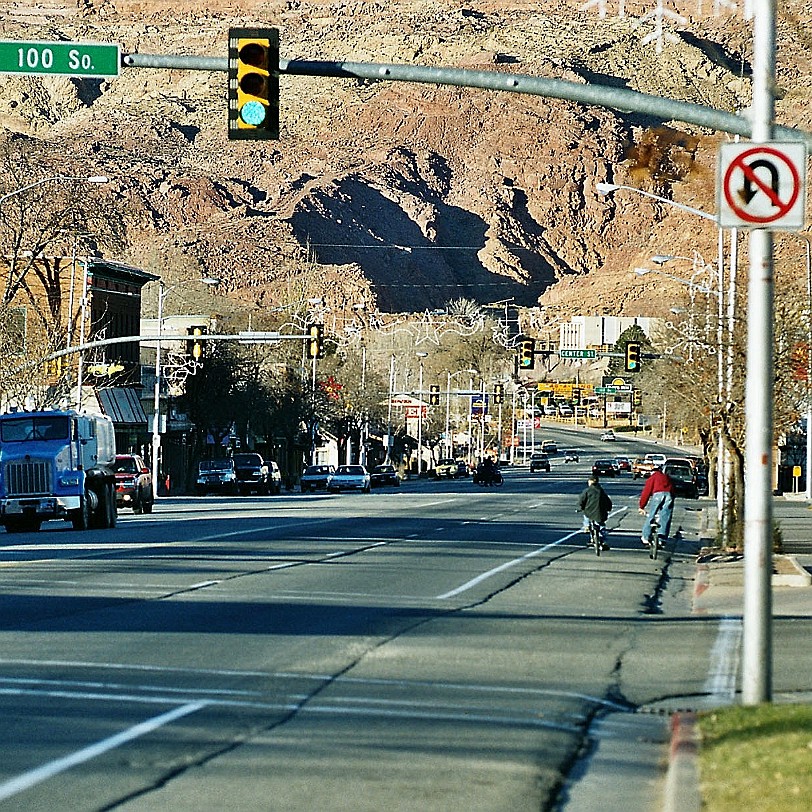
pixel 436 646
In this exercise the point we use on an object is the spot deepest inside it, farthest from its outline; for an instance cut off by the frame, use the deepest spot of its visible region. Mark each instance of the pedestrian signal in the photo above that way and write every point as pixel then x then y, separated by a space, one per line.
pixel 253 83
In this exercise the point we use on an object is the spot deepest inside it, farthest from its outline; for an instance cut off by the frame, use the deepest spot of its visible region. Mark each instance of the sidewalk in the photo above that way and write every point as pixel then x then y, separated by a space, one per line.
pixel 719 590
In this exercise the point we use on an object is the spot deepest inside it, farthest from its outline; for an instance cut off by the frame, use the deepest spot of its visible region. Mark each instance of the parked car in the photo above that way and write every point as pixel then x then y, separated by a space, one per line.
pixel 446 467
pixel 683 476
pixel 549 447
pixel 608 436
pixel 133 483
pixel 349 478
pixel 539 462
pixel 382 475
pixel 216 476
pixel 623 463
pixel 315 477
pixel 550 410
pixel 605 468
pixel 252 474
pixel 572 455
pixel 565 410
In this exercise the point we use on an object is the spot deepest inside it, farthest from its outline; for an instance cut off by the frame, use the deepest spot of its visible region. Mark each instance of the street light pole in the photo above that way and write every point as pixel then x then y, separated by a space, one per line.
pixel 163 292
pixel 421 356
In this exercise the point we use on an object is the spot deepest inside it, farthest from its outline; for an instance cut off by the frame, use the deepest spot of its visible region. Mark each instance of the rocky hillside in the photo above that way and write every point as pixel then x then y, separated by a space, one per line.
pixel 405 196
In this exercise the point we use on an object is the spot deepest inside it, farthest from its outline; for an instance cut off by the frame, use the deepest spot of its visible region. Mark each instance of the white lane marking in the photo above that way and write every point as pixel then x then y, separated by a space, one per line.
pixel 37 776
pixel 508 564
pixel 724 660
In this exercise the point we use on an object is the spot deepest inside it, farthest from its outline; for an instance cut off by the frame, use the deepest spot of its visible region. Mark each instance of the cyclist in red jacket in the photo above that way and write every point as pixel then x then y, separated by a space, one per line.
pixel 658 495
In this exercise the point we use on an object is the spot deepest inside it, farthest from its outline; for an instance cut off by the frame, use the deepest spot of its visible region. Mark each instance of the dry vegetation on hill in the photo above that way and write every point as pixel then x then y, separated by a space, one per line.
pixel 491 194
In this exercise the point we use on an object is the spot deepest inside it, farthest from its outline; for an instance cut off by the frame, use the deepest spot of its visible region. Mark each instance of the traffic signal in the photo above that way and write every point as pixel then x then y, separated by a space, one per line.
pixel 434 395
pixel 576 397
pixel 315 345
pixel 498 393
pixel 633 356
pixel 194 349
pixel 527 353
pixel 253 83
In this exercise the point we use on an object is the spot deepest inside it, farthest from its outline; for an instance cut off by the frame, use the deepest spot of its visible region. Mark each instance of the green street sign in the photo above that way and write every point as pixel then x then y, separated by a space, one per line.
pixel 79 59
pixel 577 353
pixel 606 390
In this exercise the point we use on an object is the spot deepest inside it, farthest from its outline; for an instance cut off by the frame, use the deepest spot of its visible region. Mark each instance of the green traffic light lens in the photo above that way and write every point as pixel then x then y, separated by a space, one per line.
pixel 253 113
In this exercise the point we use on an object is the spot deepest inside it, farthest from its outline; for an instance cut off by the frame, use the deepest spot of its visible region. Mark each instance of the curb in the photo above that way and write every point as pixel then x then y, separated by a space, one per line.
pixel 682 780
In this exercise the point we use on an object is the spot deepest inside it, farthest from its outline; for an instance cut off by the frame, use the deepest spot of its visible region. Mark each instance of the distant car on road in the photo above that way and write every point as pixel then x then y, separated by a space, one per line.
pixel 349 478
pixel 446 467
pixel 642 468
pixel 608 436
pixel 462 468
pixel 604 468
pixel 549 447
pixel 382 475
pixel 315 477
pixel 253 475
pixel 623 463
pixel 216 476
pixel 572 455
pixel 539 462
pixel 683 475
pixel 133 483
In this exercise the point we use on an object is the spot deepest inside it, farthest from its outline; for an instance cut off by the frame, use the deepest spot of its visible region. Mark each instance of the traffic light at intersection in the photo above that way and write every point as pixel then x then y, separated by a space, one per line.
pixel 253 83
pixel 527 353
pixel 633 356
pixel 434 395
pixel 498 393
pixel 194 349
pixel 315 344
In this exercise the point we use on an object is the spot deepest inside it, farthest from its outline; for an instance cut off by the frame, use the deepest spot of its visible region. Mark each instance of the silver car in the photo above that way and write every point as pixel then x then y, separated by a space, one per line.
pixel 349 478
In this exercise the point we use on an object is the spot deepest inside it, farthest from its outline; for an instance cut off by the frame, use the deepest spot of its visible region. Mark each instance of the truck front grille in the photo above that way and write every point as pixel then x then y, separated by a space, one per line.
pixel 28 478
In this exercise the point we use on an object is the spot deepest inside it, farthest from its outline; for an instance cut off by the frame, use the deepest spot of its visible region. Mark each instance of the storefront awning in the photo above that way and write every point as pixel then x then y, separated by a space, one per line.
pixel 123 405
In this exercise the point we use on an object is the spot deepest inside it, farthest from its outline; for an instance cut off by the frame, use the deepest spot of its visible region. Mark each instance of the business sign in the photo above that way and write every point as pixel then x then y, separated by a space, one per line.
pixel 761 185
pixel 78 59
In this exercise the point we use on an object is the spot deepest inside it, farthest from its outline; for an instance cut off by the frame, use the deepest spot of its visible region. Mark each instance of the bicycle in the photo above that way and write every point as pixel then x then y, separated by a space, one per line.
pixel 596 537
pixel 653 541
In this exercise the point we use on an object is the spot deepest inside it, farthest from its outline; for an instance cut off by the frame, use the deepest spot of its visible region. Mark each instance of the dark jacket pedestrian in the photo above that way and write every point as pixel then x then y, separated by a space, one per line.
pixel 594 502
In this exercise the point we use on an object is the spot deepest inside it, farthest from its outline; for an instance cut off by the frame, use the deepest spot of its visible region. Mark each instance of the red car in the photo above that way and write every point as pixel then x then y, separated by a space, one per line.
pixel 133 483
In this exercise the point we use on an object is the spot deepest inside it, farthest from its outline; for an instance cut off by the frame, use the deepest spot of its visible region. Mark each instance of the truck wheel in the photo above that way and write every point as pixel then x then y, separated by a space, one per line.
pixel 80 519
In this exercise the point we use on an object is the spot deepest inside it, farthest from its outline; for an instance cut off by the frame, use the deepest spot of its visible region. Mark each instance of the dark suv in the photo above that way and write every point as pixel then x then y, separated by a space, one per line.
pixel 252 474
pixel 133 483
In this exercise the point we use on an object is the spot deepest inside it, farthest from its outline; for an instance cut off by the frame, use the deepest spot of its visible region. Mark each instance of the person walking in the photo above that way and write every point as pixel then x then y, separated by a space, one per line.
pixel 595 504
pixel 658 497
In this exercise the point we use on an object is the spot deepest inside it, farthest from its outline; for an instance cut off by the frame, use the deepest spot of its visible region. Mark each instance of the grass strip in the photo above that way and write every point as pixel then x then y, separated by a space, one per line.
pixel 756 758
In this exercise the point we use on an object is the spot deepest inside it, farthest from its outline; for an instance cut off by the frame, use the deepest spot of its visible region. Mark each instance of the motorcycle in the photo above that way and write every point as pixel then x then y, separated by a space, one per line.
pixel 488 476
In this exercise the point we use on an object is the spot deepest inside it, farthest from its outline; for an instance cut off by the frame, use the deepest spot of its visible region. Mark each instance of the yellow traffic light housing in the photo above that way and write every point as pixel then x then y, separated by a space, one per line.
pixel 499 393
pixel 434 395
pixel 315 345
pixel 633 356
pixel 253 83
pixel 527 353
pixel 194 348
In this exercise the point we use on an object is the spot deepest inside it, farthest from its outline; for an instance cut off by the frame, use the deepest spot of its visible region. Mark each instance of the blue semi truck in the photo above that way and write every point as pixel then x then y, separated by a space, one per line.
pixel 56 465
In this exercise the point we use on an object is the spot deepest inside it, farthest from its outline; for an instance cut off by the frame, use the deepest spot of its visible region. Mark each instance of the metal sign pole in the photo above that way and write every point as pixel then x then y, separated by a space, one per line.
pixel 757 643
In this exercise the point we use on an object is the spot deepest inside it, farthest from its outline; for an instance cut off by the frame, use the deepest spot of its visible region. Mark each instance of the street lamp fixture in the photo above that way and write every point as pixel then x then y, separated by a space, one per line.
pixel 609 188
pixel 53 179
pixel 163 292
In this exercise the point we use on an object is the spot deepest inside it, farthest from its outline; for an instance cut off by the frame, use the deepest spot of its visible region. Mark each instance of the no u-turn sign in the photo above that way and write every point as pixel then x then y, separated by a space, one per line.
pixel 761 185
